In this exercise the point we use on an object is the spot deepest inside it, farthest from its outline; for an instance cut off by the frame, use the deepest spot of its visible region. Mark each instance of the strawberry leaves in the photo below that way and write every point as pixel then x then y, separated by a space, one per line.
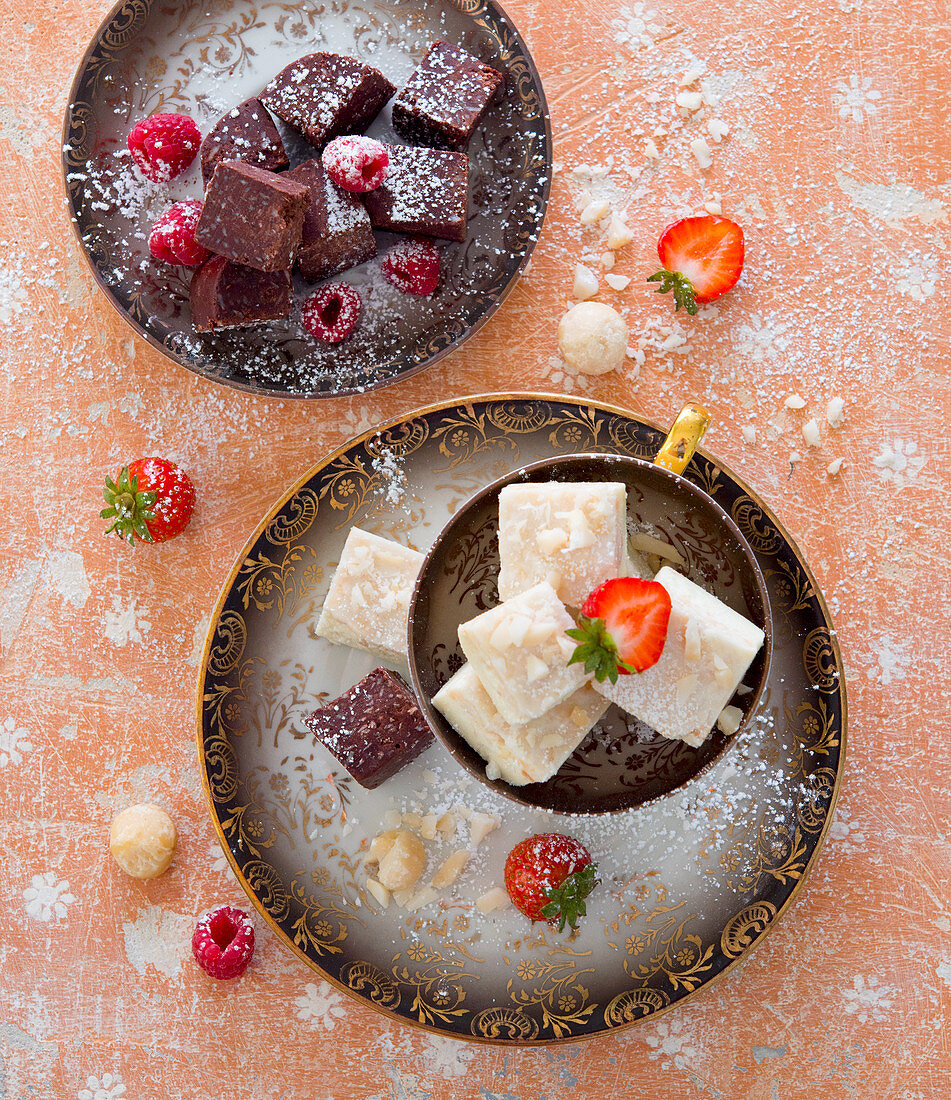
pixel 597 649
pixel 681 286
pixel 567 901
pixel 128 507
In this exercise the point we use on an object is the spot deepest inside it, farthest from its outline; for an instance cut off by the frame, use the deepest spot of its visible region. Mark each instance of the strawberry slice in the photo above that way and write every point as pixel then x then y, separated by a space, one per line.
pixel 702 258
pixel 622 628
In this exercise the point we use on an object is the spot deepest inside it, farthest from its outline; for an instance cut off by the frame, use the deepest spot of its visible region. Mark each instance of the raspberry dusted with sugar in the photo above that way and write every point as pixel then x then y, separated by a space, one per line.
pixel 332 313
pixel 413 266
pixel 356 163
pixel 163 146
pixel 223 942
pixel 173 236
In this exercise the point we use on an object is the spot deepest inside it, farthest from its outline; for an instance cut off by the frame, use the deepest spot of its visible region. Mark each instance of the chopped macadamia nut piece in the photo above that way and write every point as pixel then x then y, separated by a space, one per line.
pixel 446 825
pixel 595 211
pixel 834 466
pixel 480 825
pixel 608 260
pixel 701 151
pixel 423 897
pixel 619 234
pixel 592 338
pixel 412 820
pixel 400 856
pixel 834 412
pixel 379 891
pixel 617 282
pixel 427 827
pixel 586 283
pixel 810 433
pixel 690 101
pixel 493 900
pixel 718 129
pixel 794 401
pixel 650 150
pixel 691 76
pixel 449 871
pixel 729 720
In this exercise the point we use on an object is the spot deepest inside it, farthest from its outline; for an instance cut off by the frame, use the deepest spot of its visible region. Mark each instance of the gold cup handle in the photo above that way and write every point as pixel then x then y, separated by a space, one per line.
pixel 683 438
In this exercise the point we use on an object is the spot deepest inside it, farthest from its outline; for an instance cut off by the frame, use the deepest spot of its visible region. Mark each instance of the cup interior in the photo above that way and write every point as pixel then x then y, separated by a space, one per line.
pixel 622 763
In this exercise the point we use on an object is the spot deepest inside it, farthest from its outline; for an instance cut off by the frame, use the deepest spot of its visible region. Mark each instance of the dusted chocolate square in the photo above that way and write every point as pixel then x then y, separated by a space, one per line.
pixel 445 98
pixel 374 729
pixel 227 295
pixel 252 217
pixel 337 233
pixel 425 191
pixel 247 132
pixel 325 95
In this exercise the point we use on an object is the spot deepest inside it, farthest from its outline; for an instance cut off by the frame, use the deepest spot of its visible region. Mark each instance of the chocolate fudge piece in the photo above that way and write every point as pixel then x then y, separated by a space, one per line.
pixel 445 97
pixel 425 191
pixel 252 217
pixel 247 132
pixel 374 729
pixel 227 295
pixel 337 233
pixel 324 95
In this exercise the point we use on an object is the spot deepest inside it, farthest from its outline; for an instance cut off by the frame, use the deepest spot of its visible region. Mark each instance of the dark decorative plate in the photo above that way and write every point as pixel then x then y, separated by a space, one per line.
pixel 690 883
pixel 204 59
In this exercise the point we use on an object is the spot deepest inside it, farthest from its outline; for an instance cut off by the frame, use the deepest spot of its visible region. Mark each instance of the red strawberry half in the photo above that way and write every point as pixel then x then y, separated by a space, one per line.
pixel 702 258
pixel 549 876
pixel 151 499
pixel 622 628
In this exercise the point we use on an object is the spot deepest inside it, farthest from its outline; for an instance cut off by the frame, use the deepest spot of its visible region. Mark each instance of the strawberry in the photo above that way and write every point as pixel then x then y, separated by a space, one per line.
pixel 702 258
pixel 151 498
pixel 622 628
pixel 548 877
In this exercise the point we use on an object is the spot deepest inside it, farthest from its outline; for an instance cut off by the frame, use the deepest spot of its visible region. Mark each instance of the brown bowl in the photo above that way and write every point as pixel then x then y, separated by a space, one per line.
pixel 622 763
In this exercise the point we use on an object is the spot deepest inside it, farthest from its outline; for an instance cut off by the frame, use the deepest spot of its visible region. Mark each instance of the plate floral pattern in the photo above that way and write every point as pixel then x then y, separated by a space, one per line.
pixel 691 883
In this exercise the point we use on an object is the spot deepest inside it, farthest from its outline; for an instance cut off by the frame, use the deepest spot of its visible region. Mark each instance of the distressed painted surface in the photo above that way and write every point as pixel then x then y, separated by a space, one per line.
pixel 839 167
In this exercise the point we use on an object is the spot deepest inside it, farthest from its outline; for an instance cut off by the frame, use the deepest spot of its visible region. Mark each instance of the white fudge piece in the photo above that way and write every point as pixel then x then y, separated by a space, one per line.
pixel 368 601
pixel 709 647
pixel 528 753
pixel 520 652
pixel 571 534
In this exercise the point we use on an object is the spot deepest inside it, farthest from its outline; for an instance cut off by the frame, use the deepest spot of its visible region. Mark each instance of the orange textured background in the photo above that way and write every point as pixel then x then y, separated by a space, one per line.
pixel 838 165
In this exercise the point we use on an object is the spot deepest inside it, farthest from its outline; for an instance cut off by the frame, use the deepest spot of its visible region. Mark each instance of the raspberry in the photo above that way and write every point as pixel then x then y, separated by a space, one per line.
pixel 355 163
pixel 163 146
pixel 173 236
pixel 223 942
pixel 413 266
pixel 332 313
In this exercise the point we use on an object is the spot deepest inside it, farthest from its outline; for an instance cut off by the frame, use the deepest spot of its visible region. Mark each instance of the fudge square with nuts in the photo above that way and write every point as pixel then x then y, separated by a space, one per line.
pixel 531 752
pixel 252 217
pixel 571 534
pixel 374 729
pixel 520 652
pixel 708 649
pixel 367 605
pixel 445 98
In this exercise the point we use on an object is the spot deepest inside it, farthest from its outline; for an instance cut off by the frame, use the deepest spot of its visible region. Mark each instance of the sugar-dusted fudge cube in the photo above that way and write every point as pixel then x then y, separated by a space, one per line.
pixel 367 605
pixel 445 98
pixel 247 132
pixel 337 233
pixel 571 534
pixel 708 649
pixel 374 729
pixel 520 652
pixel 324 95
pixel 252 217
pixel 227 295
pixel 425 191
pixel 528 753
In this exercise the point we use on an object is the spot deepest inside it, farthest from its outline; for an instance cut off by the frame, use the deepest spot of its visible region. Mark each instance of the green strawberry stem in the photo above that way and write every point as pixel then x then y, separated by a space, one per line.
pixel 129 507
pixel 567 904
pixel 679 284
pixel 597 649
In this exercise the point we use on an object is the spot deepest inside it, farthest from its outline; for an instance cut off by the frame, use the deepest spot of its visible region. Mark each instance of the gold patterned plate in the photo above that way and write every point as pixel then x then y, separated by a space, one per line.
pixel 203 60
pixel 690 883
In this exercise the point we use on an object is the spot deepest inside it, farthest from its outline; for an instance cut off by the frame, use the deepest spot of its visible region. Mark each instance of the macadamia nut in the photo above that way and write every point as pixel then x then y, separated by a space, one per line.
pixel 142 840
pixel 592 338
pixel 401 858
